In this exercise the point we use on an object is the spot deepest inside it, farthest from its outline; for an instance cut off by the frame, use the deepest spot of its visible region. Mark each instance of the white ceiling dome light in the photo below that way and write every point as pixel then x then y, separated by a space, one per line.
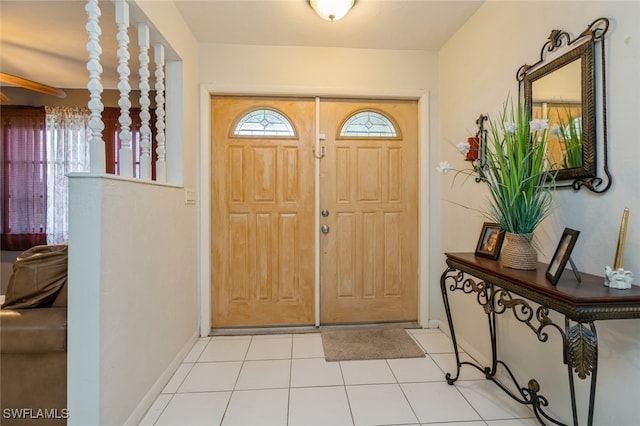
pixel 332 10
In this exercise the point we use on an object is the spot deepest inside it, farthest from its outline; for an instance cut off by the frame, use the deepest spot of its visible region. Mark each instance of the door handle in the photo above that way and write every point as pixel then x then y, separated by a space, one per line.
pixel 324 213
pixel 324 229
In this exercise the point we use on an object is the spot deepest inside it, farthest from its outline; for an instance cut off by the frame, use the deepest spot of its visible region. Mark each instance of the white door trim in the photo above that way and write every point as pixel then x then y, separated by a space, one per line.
pixel 203 186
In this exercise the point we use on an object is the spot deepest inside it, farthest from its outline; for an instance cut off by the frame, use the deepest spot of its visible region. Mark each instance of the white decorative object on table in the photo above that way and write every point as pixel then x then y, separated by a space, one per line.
pixel 617 278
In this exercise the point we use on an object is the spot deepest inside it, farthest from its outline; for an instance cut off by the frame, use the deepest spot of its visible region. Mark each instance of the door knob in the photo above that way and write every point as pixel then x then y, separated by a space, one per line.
pixel 324 212
pixel 325 229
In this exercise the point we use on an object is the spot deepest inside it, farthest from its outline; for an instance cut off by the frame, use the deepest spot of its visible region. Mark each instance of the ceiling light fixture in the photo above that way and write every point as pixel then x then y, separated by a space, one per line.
pixel 332 10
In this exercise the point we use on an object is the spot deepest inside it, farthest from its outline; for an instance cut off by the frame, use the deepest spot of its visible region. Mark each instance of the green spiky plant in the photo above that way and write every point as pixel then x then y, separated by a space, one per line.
pixel 570 132
pixel 515 171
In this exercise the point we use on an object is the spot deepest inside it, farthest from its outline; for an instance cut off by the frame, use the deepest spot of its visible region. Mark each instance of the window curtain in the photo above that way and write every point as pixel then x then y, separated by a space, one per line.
pixel 24 177
pixel 40 146
pixel 68 148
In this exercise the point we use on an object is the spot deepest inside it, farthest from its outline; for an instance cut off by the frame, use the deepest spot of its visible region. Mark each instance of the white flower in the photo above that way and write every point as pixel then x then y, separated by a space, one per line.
pixel 463 147
pixel 510 128
pixel 555 130
pixel 444 167
pixel 538 125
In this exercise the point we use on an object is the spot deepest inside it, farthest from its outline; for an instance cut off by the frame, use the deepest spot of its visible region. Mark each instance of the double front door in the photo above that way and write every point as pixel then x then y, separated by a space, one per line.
pixel 299 214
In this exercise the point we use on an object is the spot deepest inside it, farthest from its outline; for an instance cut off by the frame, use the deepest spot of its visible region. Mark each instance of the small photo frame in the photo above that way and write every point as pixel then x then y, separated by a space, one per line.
pixel 490 241
pixel 561 255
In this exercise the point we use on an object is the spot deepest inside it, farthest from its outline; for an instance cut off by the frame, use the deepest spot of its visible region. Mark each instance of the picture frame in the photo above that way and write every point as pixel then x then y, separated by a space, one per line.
pixel 490 240
pixel 562 255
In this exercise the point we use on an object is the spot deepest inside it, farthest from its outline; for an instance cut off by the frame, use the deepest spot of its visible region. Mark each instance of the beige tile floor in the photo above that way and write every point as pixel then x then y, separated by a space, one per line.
pixel 283 380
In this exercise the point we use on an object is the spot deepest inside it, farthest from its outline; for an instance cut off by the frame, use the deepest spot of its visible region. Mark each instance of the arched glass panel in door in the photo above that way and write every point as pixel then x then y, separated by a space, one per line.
pixel 368 123
pixel 263 122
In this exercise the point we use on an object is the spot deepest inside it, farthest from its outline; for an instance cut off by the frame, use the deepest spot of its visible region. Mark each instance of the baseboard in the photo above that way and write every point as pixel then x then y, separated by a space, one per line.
pixel 480 358
pixel 434 324
pixel 243 331
pixel 147 401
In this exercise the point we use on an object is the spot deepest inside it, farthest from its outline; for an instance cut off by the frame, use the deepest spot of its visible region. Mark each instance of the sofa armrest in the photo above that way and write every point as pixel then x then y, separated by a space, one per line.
pixel 33 330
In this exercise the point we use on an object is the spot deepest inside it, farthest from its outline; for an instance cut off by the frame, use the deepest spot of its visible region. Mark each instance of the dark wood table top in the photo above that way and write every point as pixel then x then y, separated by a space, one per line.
pixel 583 301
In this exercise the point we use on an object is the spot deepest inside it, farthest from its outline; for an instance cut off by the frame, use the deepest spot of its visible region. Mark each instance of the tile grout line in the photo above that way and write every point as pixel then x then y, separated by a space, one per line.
pixel 234 390
pixel 173 394
pixel 235 384
pixel 403 392
pixel 290 376
pixel 344 388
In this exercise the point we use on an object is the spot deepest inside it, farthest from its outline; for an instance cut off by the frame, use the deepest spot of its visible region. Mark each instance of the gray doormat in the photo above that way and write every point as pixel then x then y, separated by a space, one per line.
pixel 369 343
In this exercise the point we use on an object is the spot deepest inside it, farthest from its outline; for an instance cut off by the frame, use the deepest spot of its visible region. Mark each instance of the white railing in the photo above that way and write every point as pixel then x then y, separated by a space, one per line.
pixel 145 116
pixel 125 156
pixel 96 125
pixel 161 164
pixel 95 105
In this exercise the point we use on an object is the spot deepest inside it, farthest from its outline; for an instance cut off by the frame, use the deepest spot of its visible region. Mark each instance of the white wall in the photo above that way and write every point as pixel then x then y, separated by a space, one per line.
pixel 477 69
pixel 329 72
pixel 132 295
pixel 318 69
pixel 181 88
pixel 132 261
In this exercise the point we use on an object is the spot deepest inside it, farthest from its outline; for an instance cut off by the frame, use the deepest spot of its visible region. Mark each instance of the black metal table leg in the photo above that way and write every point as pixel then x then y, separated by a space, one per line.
pixel 530 298
pixel 447 308
pixel 581 357
pixel 495 300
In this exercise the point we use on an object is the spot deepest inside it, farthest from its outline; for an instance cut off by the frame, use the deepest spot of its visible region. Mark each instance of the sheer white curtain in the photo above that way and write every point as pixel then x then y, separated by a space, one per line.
pixel 67 152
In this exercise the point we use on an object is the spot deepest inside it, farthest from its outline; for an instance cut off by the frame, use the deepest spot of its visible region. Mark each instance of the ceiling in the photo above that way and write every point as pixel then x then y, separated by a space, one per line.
pixel 45 41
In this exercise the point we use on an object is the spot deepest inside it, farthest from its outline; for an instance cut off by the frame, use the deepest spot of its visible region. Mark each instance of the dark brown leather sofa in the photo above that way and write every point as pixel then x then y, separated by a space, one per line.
pixel 33 340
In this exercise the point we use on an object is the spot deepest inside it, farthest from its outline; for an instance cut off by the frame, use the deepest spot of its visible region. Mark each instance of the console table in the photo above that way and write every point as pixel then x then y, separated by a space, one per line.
pixel 499 289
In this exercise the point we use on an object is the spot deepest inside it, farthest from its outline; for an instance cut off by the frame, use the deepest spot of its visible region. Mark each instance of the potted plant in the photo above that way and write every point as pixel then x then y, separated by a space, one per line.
pixel 512 164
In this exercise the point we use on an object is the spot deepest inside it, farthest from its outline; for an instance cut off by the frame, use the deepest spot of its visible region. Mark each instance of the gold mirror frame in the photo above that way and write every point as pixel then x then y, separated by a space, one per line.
pixel 584 171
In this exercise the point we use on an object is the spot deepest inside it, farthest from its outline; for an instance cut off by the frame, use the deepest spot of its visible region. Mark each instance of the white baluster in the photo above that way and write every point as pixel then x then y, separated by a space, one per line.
pixel 145 116
pixel 161 165
pixel 125 158
pixel 96 125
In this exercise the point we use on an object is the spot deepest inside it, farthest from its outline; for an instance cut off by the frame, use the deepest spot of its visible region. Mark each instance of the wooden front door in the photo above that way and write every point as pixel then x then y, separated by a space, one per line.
pixel 369 187
pixel 262 230
pixel 263 208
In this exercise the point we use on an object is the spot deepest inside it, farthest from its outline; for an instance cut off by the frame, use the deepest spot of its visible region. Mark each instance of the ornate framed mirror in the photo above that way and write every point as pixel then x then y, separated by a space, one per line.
pixel 562 87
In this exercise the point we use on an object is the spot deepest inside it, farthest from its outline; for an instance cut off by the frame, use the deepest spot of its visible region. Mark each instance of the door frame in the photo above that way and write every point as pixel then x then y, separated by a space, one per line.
pixel 203 183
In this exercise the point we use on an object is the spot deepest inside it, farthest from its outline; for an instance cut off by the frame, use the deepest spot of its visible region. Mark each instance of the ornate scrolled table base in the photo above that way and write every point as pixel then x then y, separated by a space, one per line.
pixel 499 290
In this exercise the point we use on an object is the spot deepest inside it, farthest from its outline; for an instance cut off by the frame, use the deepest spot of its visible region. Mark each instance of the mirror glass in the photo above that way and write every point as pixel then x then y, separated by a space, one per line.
pixel 557 97
pixel 562 91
